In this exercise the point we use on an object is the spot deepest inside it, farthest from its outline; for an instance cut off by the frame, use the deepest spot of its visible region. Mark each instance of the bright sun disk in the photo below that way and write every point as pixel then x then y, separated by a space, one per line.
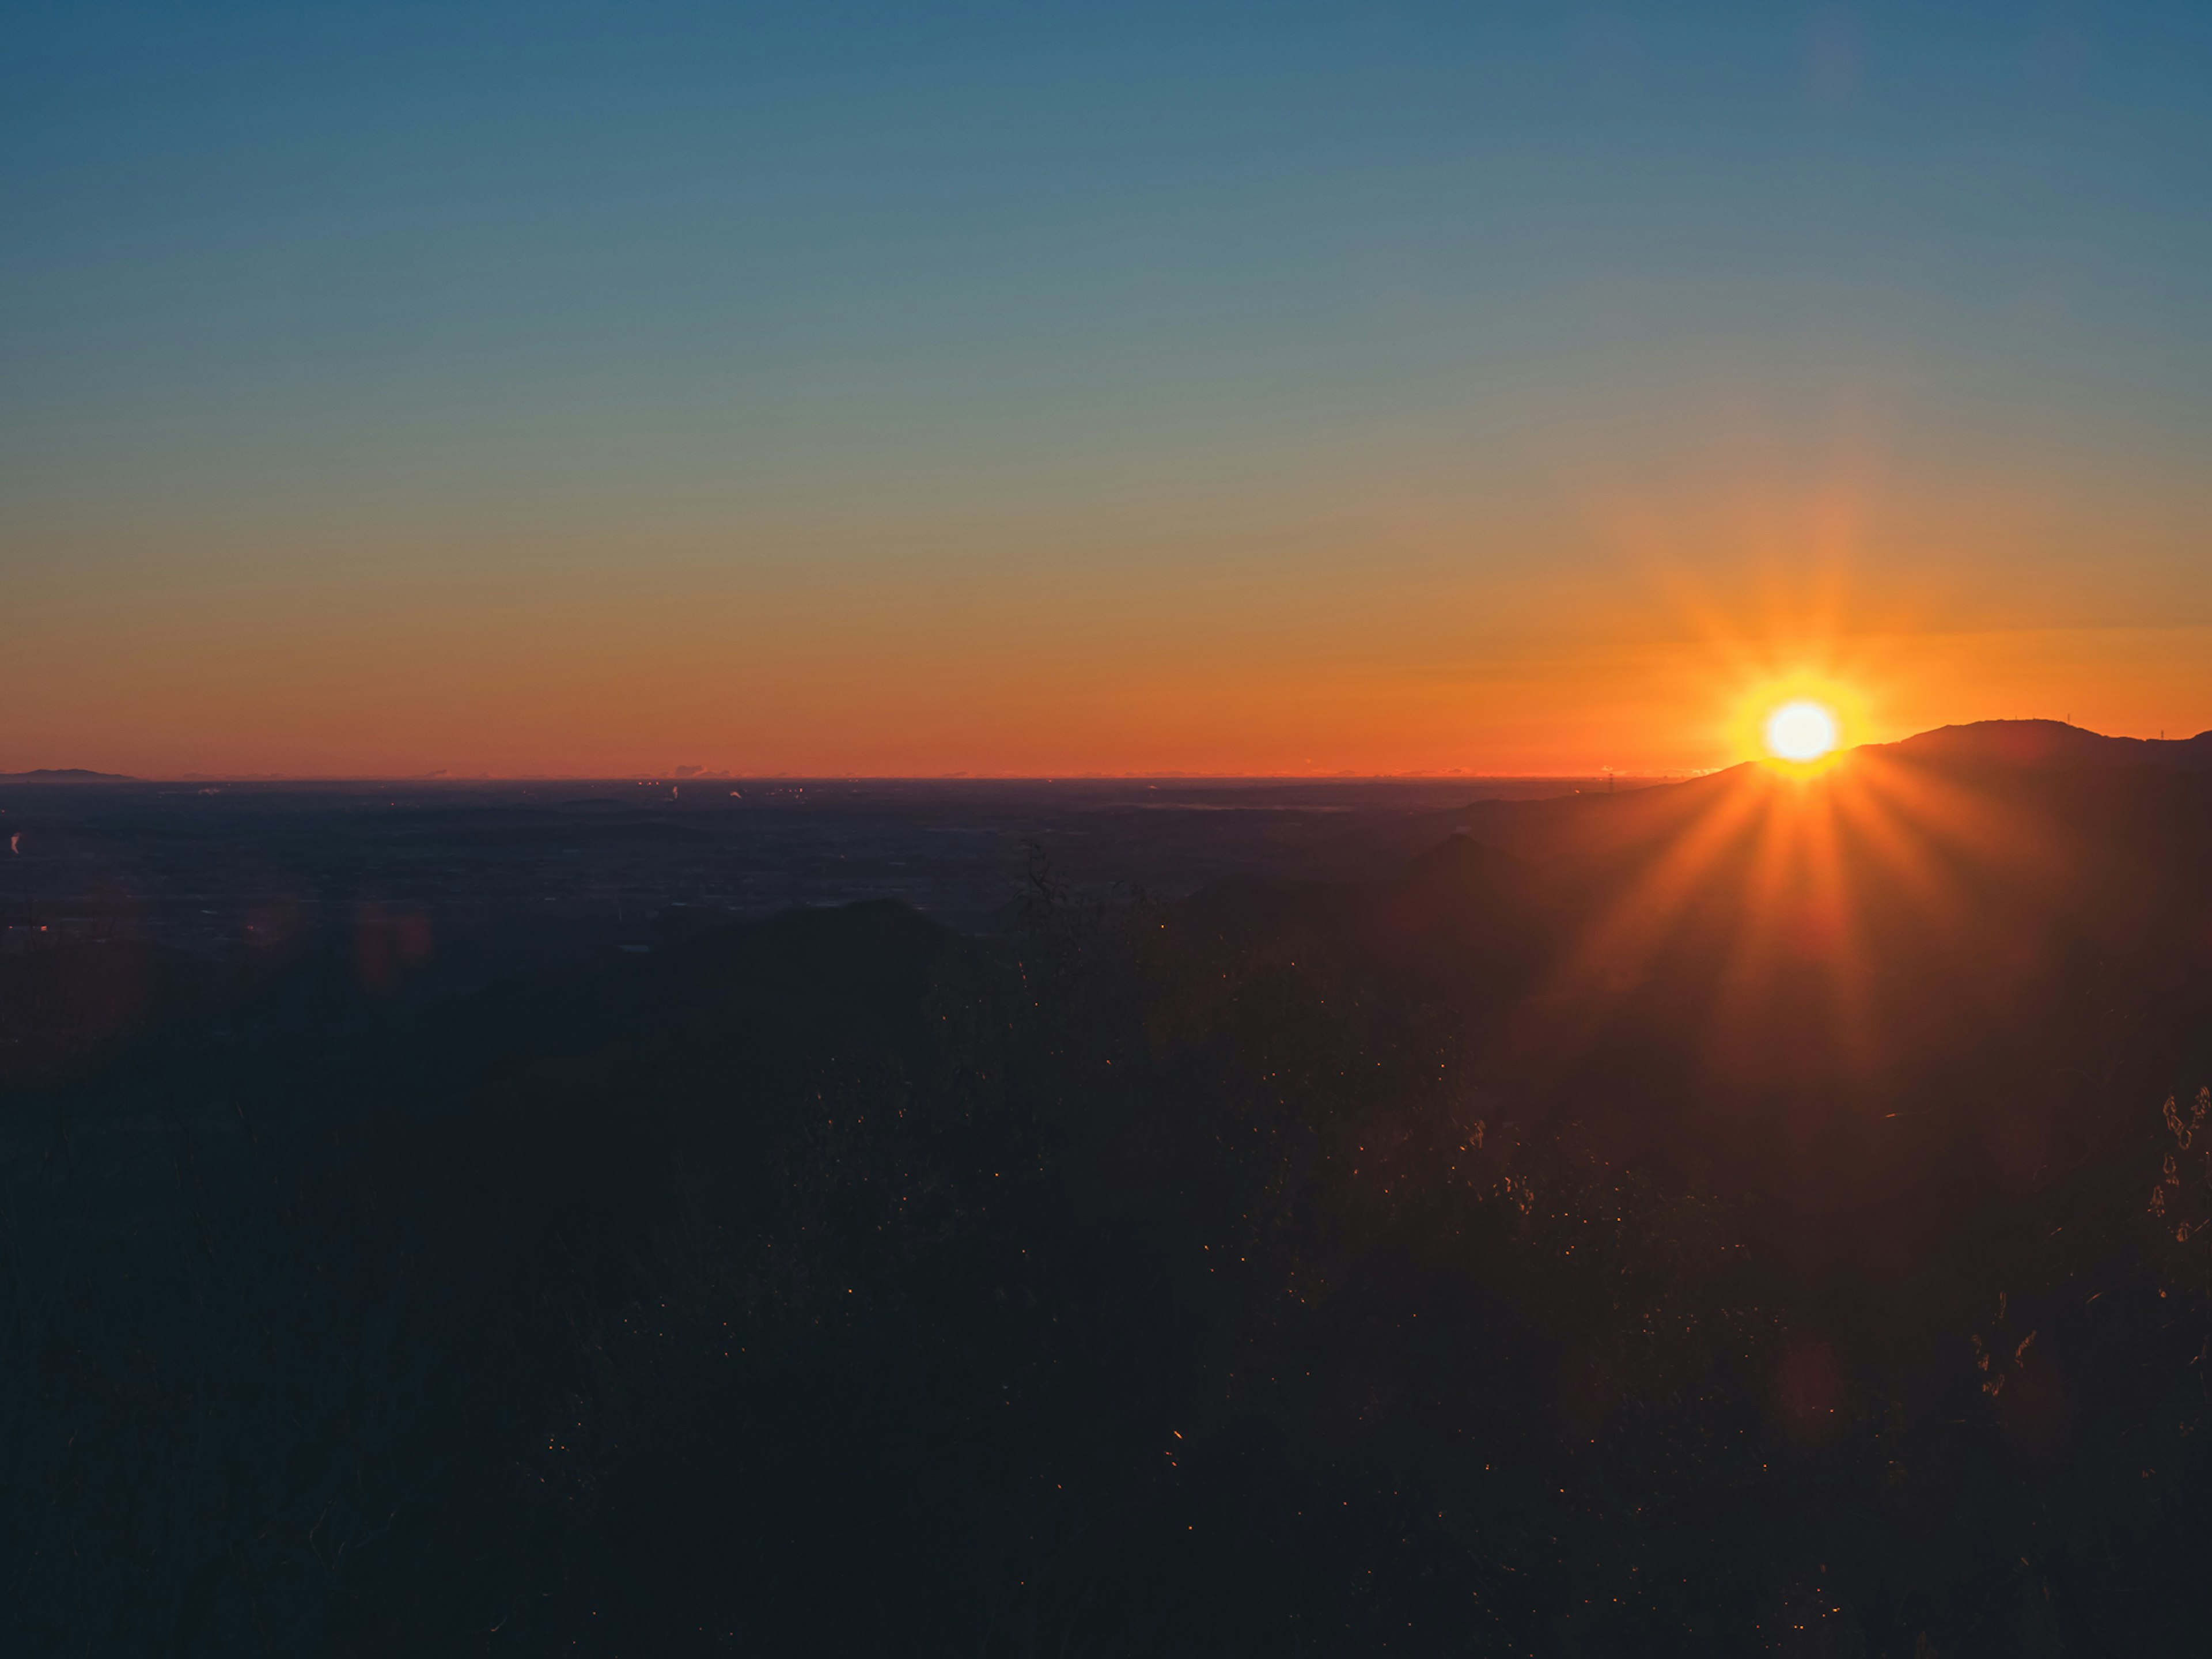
pixel 1800 731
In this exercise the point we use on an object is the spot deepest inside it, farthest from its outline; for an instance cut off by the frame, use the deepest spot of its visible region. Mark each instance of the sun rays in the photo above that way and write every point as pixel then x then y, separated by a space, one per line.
pixel 1797 912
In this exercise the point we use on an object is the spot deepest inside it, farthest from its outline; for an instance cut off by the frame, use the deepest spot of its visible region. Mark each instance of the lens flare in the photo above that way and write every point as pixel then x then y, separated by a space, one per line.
pixel 1802 730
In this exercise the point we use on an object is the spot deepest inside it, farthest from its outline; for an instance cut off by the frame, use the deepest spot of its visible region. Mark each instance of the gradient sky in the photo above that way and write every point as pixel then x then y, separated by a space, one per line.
pixel 903 390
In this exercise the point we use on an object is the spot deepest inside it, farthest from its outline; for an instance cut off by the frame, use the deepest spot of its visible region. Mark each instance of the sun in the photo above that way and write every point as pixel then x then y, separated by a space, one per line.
pixel 1800 731
pixel 1798 722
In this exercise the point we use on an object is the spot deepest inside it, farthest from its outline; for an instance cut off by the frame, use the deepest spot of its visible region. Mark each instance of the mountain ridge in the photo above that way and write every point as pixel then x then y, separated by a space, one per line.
pixel 1551 823
pixel 2047 744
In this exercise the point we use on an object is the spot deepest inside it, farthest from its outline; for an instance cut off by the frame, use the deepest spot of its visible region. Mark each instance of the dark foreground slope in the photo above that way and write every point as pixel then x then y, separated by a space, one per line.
pixel 1739 1218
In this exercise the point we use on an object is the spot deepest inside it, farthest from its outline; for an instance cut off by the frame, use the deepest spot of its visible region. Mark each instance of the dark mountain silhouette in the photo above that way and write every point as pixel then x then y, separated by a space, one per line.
pixel 65 774
pixel 2051 743
pixel 1593 821
pixel 1640 1223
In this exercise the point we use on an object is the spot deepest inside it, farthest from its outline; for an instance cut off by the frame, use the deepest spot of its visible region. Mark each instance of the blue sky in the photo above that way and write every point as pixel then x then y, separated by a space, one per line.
pixel 739 302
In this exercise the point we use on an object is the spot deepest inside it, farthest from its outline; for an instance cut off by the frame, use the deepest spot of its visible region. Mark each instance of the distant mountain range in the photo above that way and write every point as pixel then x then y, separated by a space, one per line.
pixel 65 775
pixel 2049 744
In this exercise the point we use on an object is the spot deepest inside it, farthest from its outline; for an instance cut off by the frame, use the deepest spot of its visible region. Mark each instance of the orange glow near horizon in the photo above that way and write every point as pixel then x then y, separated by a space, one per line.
pixel 570 703
pixel 1661 651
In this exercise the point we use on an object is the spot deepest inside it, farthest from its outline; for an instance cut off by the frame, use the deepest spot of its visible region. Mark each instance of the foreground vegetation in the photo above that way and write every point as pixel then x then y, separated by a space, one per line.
pixel 1268 1272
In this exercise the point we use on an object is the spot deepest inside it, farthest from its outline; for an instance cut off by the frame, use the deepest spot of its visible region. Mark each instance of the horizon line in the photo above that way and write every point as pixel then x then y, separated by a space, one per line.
pixel 82 775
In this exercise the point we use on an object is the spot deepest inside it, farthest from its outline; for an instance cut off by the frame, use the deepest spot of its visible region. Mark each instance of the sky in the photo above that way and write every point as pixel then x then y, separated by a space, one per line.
pixel 840 389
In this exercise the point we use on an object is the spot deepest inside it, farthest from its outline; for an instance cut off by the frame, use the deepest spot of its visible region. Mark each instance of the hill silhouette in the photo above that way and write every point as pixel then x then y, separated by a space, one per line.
pixel 1756 1214
pixel 2051 743
pixel 1592 821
